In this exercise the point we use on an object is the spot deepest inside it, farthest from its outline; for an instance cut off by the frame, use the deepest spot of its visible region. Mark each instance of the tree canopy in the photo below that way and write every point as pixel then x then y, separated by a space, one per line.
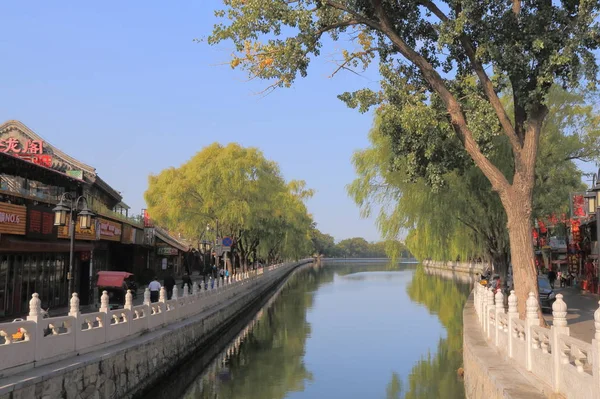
pixel 445 62
pixel 465 219
pixel 356 247
pixel 265 216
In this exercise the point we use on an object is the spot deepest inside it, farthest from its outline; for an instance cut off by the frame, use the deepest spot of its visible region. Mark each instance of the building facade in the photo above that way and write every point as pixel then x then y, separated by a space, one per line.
pixel 34 254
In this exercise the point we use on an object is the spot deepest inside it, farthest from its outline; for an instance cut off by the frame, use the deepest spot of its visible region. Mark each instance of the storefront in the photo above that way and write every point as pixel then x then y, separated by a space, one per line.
pixel 32 258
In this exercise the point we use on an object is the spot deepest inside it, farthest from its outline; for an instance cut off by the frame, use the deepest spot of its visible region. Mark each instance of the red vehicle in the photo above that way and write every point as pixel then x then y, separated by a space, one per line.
pixel 116 285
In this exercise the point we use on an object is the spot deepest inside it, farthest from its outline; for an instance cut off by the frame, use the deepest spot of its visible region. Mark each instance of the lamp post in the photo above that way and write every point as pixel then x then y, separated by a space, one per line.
pixel 69 204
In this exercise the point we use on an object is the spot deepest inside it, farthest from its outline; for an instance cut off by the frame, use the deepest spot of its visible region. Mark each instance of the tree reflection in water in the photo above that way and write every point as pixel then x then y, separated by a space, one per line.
pixel 276 343
pixel 435 376
pixel 267 361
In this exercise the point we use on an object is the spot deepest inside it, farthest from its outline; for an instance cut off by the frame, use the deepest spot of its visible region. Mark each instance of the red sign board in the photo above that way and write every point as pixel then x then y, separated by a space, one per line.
pixel 40 223
pixel 30 150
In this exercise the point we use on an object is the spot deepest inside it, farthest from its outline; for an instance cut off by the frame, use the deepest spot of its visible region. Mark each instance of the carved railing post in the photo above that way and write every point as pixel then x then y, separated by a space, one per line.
pixel 596 349
pixel 194 288
pixel 74 306
pixel 185 290
pixel 499 310
pixel 104 302
pixel 147 297
pixel 128 300
pixel 513 313
pixel 559 326
pixel 490 306
pixel 162 296
pixel 532 319
pixel 175 293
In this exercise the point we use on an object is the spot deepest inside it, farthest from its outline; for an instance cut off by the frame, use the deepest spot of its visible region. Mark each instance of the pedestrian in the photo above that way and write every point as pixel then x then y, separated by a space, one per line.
pixel 154 287
pixel 186 280
pixel 222 274
pixel 552 277
pixel 559 278
pixel 169 284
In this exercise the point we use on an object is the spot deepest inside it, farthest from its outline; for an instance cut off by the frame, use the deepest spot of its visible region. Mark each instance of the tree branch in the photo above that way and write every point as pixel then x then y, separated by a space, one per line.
pixel 498 180
pixel 486 83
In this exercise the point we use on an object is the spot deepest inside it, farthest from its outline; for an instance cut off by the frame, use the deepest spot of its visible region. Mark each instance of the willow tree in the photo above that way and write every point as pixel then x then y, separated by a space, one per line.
pixel 464 218
pixel 433 46
pixel 237 186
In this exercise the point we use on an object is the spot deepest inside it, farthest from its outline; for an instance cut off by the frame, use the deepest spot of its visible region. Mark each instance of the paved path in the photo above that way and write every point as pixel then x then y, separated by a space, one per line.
pixel 580 316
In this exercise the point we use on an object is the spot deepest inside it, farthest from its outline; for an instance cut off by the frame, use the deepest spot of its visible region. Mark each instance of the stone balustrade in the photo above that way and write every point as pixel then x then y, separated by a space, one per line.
pixel 37 341
pixel 568 366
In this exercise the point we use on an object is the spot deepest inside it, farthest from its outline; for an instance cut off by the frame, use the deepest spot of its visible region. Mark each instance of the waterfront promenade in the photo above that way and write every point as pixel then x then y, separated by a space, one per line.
pixel 119 353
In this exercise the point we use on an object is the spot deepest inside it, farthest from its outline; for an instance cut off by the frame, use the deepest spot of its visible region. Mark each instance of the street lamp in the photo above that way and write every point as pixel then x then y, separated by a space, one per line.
pixel 69 204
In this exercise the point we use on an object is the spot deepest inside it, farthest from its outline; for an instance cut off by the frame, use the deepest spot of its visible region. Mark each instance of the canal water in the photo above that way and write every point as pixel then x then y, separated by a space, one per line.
pixel 345 331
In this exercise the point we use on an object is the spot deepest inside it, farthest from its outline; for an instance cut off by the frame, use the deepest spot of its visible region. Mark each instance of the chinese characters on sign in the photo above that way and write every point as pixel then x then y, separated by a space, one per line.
pixel 12 145
pixel 31 150
pixel 40 223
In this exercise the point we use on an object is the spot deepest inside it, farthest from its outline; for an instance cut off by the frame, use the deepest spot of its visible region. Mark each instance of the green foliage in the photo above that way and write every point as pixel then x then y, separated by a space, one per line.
pixel 465 219
pixel 245 192
pixel 529 49
pixel 434 57
pixel 356 247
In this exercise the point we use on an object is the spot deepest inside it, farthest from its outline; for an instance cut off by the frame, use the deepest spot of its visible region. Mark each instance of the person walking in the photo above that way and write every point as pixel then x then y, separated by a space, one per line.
pixel 169 284
pixel 187 281
pixel 552 277
pixel 154 287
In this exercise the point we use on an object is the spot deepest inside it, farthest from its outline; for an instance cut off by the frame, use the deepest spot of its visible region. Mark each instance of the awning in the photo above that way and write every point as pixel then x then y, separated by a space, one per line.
pixel 112 279
pixel 12 165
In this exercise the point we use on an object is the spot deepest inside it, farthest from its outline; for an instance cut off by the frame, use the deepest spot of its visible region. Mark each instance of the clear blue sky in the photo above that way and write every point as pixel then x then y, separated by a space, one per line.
pixel 122 87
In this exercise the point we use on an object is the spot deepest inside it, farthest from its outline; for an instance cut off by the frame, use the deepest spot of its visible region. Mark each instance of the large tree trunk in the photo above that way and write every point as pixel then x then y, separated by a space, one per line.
pixel 518 211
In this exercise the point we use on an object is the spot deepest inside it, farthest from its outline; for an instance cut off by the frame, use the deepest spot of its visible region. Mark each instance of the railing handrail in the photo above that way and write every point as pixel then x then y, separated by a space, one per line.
pixel 531 346
pixel 40 339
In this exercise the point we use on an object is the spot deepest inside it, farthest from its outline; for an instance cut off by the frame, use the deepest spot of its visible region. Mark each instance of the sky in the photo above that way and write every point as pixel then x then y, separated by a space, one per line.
pixel 123 87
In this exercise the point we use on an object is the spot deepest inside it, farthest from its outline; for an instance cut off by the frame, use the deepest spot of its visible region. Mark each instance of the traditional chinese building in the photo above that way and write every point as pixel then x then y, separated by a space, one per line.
pixel 34 254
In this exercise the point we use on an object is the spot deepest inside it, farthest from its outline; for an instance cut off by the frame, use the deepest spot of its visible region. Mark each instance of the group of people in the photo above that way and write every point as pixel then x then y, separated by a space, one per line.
pixel 564 279
pixel 169 283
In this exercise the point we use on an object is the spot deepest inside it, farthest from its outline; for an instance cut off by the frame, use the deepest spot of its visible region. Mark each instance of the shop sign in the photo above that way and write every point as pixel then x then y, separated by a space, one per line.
pixel 109 230
pixel 40 223
pixel 138 236
pixel 127 235
pixel 168 251
pixel 12 219
pixel 78 174
pixel 149 236
pixel 30 150
pixel 80 234
pixel 558 243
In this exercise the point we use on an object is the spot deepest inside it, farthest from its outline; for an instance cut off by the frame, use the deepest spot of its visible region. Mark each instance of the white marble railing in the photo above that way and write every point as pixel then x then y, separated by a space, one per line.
pixel 569 366
pixel 38 340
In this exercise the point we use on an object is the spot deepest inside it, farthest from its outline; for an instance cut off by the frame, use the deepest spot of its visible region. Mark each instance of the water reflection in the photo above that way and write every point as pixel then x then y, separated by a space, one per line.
pixel 435 376
pixel 337 331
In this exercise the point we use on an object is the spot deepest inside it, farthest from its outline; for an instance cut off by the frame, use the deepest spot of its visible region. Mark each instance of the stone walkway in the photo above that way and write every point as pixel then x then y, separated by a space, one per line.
pixel 580 316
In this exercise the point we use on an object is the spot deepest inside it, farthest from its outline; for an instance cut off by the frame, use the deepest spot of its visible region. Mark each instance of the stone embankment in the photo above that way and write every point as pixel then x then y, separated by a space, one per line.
pixel 121 353
pixel 471 268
